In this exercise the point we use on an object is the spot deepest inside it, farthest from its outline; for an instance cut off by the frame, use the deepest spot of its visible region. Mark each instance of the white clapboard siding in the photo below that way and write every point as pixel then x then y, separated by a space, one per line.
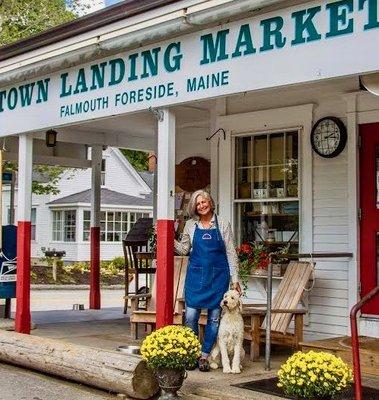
pixel 328 301
pixel 331 265
pixel 332 311
pixel 325 301
pixel 331 247
pixel 332 193
pixel 323 329
pixel 329 211
pixel 330 229
pixel 338 221
pixel 334 238
pixel 331 275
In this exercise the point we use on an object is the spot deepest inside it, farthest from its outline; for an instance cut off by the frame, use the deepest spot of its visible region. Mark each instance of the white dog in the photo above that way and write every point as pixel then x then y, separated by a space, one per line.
pixel 230 335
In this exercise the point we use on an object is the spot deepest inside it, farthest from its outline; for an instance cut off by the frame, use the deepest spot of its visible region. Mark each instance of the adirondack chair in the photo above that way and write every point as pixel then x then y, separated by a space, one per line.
pixel 284 308
pixel 148 316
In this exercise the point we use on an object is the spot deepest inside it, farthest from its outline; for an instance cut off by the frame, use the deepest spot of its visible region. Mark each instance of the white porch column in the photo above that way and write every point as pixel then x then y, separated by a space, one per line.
pixel 96 159
pixel 165 217
pixel 24 205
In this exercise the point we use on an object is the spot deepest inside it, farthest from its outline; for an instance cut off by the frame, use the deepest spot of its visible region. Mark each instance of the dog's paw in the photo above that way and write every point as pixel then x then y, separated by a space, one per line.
pixel 236 370
pixel 213 365
pixel 227 370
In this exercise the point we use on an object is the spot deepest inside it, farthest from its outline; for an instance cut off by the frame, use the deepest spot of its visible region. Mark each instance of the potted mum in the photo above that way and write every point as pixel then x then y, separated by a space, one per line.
pixel 314 375
pixel 168 352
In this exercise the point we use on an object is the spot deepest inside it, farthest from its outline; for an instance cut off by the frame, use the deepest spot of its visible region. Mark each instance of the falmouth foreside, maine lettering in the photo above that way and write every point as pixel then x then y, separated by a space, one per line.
pixel 193 64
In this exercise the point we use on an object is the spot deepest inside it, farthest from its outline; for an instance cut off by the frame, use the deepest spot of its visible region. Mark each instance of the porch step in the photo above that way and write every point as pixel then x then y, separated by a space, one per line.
pixel 341 347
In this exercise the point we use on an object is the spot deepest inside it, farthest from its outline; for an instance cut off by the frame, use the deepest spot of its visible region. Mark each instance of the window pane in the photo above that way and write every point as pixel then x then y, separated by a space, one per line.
pixel 86 236
pixel 87 215
pixel 243 152
pixel 110 237
pixel 276 149
pixel 118 216
pixel 69 226
pixel 33 232
pixel 260 150
pixel 110 216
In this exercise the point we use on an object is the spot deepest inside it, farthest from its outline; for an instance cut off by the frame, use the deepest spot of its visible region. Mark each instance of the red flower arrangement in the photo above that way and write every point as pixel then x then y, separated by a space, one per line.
pixel 254 256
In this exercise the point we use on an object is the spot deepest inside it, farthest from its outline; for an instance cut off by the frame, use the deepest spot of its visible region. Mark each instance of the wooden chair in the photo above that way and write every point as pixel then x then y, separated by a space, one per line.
pixel 135 265
pixel 136 242
pixel 284 308
pixel 148 316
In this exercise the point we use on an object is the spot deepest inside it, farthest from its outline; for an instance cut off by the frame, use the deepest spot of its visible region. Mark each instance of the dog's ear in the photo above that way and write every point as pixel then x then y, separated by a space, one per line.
pixel 240 305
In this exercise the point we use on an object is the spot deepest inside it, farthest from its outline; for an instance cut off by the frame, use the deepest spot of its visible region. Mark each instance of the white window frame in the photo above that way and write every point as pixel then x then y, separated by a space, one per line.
pixel 61 231
pixel 237 201
pixel 131 217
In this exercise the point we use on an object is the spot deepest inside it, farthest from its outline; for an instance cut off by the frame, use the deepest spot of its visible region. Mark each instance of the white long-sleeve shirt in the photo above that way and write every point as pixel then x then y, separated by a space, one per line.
pixel 185 245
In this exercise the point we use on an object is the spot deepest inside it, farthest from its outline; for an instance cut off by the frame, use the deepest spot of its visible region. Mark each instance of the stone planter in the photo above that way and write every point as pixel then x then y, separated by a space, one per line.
pixel 170 381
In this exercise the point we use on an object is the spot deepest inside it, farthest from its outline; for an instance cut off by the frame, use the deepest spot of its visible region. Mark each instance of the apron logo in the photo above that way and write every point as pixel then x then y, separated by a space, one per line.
pixel 206 236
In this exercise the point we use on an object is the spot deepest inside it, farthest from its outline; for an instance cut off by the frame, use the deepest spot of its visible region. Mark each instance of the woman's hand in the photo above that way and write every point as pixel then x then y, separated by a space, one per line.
pixel 237 286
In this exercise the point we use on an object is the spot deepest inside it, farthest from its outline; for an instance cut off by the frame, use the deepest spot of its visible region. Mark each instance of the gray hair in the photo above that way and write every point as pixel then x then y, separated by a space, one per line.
pixel 192 211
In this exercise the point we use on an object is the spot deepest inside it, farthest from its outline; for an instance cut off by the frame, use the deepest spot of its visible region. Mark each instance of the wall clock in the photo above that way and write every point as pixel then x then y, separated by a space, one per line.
pixel 328 137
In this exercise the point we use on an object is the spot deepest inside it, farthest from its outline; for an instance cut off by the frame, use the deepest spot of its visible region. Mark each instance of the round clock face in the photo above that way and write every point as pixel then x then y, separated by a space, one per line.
pixel 328 137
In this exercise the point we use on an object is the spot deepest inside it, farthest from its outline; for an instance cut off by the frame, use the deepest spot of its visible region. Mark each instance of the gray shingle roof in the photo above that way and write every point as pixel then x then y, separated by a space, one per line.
pixel 107 197
pixel 148 177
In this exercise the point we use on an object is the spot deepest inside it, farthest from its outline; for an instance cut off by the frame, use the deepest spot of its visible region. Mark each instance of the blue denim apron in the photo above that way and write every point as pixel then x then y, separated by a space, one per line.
pixel 208 273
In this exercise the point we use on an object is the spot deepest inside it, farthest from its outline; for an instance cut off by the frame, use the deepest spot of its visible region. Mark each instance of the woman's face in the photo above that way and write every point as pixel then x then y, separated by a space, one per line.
pixel 203 206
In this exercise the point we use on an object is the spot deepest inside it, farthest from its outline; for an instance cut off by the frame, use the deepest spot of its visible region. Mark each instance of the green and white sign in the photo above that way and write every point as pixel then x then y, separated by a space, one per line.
pixel 318 40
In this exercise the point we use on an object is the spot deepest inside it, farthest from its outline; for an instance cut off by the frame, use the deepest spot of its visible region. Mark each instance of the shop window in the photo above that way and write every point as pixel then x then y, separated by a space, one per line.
pixel 266 197
pixel 64 226
pixel 114 225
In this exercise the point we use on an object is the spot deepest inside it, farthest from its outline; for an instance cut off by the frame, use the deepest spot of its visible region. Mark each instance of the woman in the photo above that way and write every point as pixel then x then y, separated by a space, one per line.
pixel 212 264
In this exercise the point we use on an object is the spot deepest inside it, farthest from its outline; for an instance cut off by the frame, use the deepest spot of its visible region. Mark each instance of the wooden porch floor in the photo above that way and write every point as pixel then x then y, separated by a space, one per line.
pixel 341 347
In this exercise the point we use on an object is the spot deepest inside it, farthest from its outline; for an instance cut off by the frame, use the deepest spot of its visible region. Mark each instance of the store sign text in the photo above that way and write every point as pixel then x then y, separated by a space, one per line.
pixel 162 72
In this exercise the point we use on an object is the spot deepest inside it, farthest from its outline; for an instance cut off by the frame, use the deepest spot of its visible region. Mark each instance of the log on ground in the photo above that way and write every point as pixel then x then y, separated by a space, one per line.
pixel 119 373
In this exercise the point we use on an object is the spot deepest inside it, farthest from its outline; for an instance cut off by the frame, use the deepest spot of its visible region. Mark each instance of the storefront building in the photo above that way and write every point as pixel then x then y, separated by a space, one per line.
pixel 172 73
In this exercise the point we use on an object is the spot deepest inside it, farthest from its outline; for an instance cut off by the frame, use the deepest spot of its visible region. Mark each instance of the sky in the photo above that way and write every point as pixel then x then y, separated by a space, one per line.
pixel 111 2
pixel 96 5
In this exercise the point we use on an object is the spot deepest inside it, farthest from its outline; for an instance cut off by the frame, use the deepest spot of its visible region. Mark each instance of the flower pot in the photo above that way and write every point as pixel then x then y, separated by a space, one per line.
pixel 170 381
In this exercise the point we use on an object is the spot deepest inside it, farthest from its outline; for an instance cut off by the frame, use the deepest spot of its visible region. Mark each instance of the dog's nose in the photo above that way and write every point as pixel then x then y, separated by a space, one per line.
pixel 225 302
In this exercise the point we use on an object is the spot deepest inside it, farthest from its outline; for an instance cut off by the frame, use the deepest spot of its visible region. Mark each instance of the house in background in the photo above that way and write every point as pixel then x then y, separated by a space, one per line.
pixel 62 221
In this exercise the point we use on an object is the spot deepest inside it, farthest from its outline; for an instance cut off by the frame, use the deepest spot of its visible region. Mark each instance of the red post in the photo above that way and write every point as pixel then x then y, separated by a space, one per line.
pixel 22 323
pixel 94 293
pixel 355 342
pixel 165 273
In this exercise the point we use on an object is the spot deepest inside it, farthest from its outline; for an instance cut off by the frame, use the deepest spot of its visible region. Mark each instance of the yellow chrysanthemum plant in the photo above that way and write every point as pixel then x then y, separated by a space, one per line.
pixel 173 346
pixel 314 375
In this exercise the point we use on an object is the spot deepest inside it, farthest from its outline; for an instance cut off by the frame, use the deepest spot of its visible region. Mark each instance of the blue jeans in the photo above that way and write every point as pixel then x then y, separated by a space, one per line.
pixel 211 329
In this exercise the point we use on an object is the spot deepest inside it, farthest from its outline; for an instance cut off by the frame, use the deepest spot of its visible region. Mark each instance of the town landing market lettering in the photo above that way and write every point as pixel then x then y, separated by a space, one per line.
pixel 123 71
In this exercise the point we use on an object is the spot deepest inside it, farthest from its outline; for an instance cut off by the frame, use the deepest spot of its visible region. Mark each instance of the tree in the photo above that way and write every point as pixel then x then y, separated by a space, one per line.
pixel 20 19
pixel 138 159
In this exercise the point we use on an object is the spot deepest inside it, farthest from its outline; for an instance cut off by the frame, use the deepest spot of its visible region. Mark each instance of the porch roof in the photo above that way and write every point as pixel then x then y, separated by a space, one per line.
pixel 107 196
